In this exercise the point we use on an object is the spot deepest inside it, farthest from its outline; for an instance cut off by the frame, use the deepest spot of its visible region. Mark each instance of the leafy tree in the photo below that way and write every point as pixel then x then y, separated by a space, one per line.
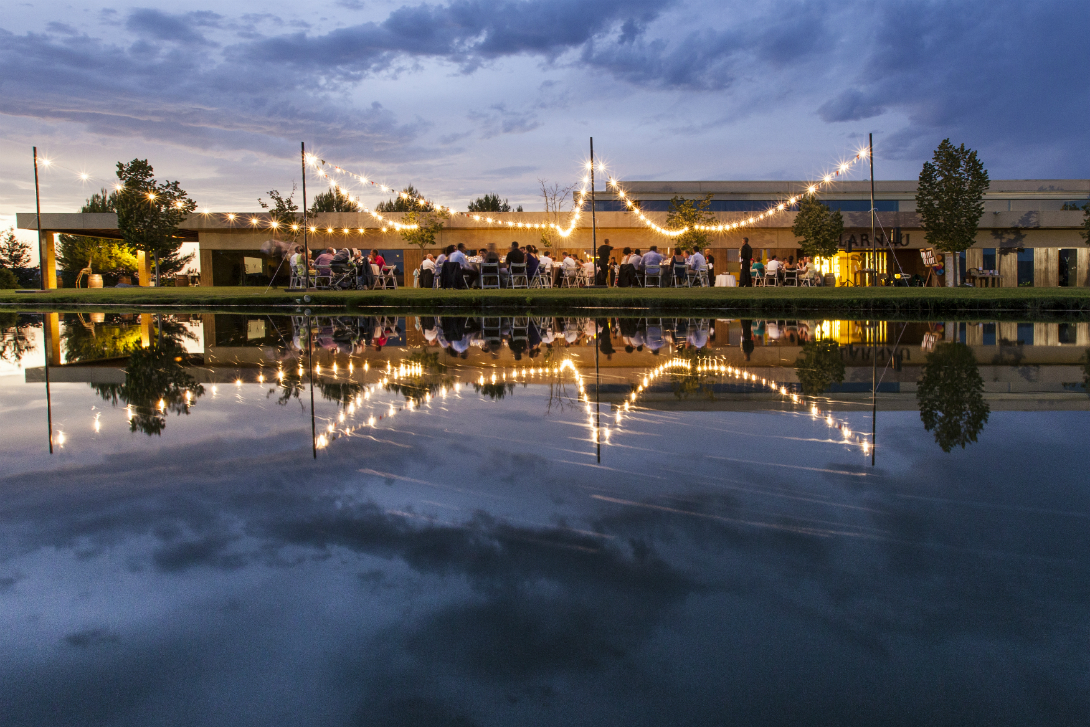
pixel 14 341
pixel 818 366
pixel 496 391
pixel 950 396
pixel 332 200
pixel 284 212
pixel 428 224
pixel 75 252
pixel 690 214
pixel 155 383
pixel 149 213
pixel 408 200
pixel 492 203
pixel 8 280
pixel 818 228
pixel 950 199
pixel 14 254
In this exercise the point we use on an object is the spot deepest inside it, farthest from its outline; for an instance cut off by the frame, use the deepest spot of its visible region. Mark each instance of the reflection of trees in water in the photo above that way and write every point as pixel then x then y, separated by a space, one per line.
pixel 155 383
pixel 88 341
pixel 1086 372
pixel 429 361
pixel 342 392
pixel 14 342
pixel 818 366
pixel 494 391
pixel 951 396
pixel 290 387
pixel 691 382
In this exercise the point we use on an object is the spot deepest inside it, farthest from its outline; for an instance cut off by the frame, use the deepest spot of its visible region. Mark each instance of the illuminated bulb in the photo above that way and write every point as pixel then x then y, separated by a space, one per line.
pixel 231 217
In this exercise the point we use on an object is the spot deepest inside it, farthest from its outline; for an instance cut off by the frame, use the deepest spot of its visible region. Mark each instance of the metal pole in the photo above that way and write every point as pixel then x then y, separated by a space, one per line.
pixel 597 390
pixel 41 245
pixel 48 398
pixel 874 248
pixel 310 355
pixel 593 223
pixel 873 389
pixel 306 246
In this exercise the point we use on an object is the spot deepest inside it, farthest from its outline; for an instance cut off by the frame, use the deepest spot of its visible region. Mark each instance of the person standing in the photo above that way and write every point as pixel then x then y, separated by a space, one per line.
pixel 604 251
pixel 745 256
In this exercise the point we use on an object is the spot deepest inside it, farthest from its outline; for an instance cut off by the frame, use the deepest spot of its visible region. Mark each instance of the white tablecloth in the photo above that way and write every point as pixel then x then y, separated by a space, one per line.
pixel 724 280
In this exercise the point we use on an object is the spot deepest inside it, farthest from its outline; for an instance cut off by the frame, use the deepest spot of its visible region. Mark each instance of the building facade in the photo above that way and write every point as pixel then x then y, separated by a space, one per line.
pixel 1029 233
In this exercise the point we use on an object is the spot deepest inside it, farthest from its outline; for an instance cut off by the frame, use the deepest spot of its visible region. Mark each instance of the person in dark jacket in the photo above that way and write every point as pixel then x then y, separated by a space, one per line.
pixel 745 256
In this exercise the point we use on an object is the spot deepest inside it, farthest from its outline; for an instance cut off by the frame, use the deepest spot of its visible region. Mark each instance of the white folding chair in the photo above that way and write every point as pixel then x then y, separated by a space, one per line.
pixel 652 276
pixel 518 275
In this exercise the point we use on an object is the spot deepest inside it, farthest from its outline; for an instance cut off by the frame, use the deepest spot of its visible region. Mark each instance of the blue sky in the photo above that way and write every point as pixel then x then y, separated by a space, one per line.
pixel 467 97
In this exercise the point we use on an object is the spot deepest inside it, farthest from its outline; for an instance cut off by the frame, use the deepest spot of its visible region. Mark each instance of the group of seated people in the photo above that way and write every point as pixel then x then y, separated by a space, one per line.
pixel 323 263
pixel 779 269
pixel 634 265
pixel 464 268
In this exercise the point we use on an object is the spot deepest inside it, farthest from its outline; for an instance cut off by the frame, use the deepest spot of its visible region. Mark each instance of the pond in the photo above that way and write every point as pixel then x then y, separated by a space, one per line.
pixel 403 519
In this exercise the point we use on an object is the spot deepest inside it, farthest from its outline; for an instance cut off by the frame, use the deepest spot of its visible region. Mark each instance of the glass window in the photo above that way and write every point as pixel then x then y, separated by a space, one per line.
pixel 961 264
pixel 1025 334
pixel 1067 333
pixel 1025 268
pixel 989 258
pixel 989 334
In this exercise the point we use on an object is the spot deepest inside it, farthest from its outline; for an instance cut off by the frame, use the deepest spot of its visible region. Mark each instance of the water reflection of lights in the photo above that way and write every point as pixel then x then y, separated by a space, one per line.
pixel 717 367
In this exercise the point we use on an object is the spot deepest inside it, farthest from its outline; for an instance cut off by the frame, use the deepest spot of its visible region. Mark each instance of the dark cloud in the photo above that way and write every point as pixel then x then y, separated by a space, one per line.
pixel 161 26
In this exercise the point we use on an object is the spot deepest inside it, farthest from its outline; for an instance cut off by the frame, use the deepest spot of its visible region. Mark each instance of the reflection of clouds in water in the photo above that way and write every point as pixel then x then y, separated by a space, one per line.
pixel 500 598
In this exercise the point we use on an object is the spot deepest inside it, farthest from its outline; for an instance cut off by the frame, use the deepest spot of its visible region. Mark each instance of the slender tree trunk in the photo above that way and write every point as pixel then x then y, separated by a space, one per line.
pixel 951 270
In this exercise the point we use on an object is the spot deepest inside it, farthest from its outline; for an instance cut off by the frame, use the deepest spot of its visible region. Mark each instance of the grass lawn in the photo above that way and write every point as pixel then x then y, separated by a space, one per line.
pixel 915 302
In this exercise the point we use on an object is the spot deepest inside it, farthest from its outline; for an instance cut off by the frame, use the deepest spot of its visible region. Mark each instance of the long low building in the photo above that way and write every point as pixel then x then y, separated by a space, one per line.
pixel 1029 234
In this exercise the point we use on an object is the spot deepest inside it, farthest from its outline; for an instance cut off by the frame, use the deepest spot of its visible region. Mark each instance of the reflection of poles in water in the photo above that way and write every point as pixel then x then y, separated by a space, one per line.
pixel 873 375
pixel 159 329
pixel 597 386
pixel 48 398
pixel 310 357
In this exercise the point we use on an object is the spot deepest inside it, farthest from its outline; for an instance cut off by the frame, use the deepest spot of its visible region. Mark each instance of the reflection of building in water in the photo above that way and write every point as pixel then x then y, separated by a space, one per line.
pixel 1031 365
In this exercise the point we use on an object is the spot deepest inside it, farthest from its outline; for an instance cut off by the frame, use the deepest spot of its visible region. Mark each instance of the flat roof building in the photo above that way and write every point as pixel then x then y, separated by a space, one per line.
pixel 1029 232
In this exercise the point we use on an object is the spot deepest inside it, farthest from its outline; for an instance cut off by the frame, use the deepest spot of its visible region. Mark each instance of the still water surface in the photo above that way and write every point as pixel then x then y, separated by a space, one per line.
pixel 409 520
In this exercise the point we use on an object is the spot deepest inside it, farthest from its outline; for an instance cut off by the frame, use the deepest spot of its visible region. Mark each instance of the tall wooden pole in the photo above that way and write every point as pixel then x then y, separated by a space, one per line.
pixel 593 223
pixel 306 246
pixel 41 244
pixel 873 212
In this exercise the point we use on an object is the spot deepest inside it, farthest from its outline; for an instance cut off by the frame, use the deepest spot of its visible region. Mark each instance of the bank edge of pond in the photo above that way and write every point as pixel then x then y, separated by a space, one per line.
pixel 889 303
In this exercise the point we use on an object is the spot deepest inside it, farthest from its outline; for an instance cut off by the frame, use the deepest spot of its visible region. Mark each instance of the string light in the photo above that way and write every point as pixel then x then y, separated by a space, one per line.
pixel 779 207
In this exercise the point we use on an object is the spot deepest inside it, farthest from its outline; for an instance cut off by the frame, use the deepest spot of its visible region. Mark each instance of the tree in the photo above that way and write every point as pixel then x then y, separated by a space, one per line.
pixel 691 214
pixel 149 213
pixel 950 396
pixel 491 203
pixel 155 383
pixel 332 200
pixel 74 252
pixel 950 200
pixel 14 254
pixel 408 200
pixel 428 224
pixel 818 366
pixel 818 229
pixel 557 197
pixel 283 212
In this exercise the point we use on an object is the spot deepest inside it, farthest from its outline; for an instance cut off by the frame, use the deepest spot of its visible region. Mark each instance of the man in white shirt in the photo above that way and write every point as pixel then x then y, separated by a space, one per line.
pixel 428 264
pixel 773 266
pixel 635 259
pixel 697 261
pixel 569 262
pixel 459 256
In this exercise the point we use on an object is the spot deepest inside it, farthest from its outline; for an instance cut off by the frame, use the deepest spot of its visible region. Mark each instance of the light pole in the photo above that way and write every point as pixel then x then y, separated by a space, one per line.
pixel 306 246
pixel 41 244
pixel 873 212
